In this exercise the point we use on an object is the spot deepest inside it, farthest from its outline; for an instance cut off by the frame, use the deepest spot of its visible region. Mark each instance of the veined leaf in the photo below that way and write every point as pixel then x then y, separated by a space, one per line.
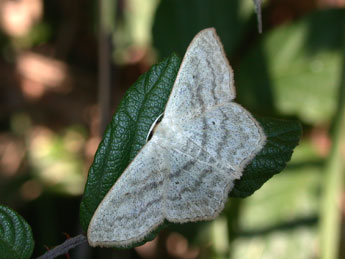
pixel 126 135
pixel 16 241
pixel 127 132
pixel 282 137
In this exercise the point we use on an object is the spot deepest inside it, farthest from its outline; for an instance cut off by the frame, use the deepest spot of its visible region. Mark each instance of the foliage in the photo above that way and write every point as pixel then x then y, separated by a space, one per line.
pixel 184 19
pixel 294 69
pixel 16 239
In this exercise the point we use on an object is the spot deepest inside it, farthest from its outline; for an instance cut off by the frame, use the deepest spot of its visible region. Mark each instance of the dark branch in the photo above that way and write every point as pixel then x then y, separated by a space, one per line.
pixel 64 247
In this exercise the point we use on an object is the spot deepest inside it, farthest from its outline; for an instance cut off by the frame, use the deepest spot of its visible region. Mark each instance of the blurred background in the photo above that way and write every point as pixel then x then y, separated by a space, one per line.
pixel 65 65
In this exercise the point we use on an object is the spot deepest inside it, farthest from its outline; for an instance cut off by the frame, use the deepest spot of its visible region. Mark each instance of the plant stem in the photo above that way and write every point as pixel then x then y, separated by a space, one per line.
pixel 106 25
pixel 64 247
pixel 330 221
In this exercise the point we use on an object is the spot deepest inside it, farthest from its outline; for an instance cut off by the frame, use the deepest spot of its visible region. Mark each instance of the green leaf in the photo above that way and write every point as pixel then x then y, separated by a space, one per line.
pixel 184 19
pixel 16 239
pixel 295 69
pixel 126 134
pixel 282 137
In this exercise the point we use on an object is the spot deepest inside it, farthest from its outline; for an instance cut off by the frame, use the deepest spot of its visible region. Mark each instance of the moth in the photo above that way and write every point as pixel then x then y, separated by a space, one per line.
pixel 186 170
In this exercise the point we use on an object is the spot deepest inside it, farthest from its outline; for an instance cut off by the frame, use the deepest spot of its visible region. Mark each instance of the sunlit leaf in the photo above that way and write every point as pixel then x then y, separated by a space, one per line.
pixel 296 68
